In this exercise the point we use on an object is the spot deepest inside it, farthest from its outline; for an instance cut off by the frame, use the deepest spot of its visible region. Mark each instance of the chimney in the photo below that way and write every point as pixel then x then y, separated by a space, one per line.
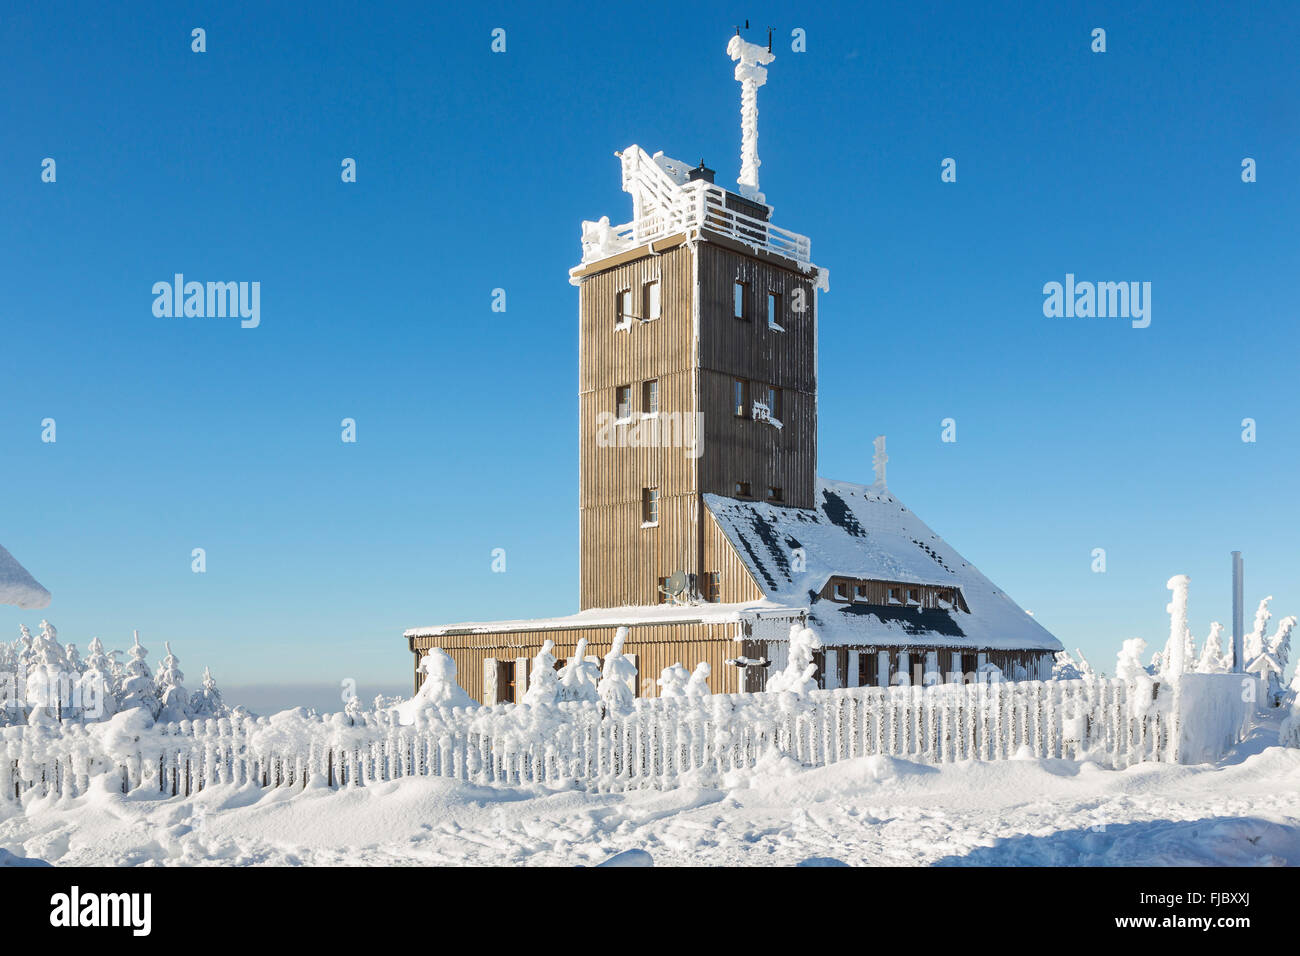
pixel 700 172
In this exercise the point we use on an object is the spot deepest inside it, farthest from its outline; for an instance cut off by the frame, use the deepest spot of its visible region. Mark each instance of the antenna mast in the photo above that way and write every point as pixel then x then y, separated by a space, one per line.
pixel 751 73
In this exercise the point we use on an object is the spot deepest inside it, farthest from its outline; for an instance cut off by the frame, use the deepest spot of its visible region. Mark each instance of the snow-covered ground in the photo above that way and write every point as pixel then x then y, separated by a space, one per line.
pixel 1245 810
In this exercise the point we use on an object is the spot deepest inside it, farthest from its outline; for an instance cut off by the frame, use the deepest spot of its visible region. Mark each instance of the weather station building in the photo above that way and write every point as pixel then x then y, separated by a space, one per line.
pixel 704 528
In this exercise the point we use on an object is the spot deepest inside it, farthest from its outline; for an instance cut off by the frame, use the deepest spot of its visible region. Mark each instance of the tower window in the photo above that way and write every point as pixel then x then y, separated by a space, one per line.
pixel 623 307
pixel 740 389
pixel 623 402
pixel 742 489
pixel 774 404
pixel 775 494
pixel 650 397
pixel 650 293
pixel 740 300
pixel 712 587
pixel 774 311
pixel 650 506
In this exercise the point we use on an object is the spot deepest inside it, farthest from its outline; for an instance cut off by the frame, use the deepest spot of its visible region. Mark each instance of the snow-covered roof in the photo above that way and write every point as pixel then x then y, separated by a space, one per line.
pixel 18 587
pixel 865 532
pixel 618 617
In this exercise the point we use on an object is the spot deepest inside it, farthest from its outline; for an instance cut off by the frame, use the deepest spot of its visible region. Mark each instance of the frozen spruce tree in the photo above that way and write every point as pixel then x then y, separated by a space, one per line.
pixel 543 681
pixel 673 679
pixel 96 691
pixel 137 689
pixel 1211 660
pixel 798 676
pixel 173 698
pixel 207 702
pixel 439 690
pixel 579 676
pixel 1254 643
pixel 618 676
pixel 698 685
pixel 49 688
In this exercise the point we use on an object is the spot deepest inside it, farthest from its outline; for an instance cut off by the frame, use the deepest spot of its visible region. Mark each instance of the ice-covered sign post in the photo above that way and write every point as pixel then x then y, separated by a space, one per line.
pixel 879 460
pixel 750 71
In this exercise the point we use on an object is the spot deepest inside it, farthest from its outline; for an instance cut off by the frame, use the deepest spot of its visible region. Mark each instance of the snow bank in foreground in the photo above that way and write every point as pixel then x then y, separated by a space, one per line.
pixel 867 811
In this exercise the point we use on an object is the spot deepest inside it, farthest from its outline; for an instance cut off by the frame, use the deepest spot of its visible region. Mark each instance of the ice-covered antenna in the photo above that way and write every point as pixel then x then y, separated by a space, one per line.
pixel 878 461
pixel 751 60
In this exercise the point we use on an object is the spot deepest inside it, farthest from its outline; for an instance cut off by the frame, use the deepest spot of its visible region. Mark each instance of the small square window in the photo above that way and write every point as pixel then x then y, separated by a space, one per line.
pixel 650 397
pixel 712 587
pixel 651 295
pixel 742 489
pixel 623 306
pixel 650 506
pixel 623 402
pixel 895 595
pixel 775 494
pixel 842 591
pixel 860 593
pixel 740 300
pixel 913 596
pixel 774 310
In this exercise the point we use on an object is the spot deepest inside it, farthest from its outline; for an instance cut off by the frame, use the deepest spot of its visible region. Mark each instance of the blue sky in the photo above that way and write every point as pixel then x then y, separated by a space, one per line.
pixel 474 172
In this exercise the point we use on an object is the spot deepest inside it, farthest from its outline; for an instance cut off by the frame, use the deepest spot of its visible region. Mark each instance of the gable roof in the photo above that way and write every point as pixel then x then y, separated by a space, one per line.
pixel 865 532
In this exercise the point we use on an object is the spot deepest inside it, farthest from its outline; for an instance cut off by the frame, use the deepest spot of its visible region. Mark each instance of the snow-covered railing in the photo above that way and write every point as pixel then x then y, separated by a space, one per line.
pixel 658 742
pixel 662 207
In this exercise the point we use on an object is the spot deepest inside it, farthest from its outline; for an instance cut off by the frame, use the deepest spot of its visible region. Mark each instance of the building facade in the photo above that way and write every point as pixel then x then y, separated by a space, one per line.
pixel 704 528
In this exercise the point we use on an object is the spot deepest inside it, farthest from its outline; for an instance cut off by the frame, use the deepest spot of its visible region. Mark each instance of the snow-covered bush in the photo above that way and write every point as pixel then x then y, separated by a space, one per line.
pixel 439 689
pixel 579 676
pixel 618 677
pixel 673 679
pixel 698 685
pixel 543 681
pixel 799 676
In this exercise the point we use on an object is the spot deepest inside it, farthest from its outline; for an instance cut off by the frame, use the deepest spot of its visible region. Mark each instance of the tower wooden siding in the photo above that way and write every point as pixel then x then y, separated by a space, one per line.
pixel 621 561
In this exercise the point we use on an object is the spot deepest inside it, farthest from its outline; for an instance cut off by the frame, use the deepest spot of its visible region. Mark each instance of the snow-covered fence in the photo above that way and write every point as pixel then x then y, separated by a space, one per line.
pixel 657 742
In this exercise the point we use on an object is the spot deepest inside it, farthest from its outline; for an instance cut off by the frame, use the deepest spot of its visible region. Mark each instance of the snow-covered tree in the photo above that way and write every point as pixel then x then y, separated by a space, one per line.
pixel 698 685
pixel 543 681
pixel 49 685
pixel 95 688
pixel 1254 643
pixel 173 698
pixel 439 689
pixel 618 676
pixel 673 679
pixel 137 687
pixel 1128 665
pixel 800 670
pixel 579 676
pixel 207 701
pixel 1212 661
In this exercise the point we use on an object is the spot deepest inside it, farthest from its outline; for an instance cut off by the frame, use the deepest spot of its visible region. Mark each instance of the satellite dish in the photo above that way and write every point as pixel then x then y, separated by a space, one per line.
pixel 675 585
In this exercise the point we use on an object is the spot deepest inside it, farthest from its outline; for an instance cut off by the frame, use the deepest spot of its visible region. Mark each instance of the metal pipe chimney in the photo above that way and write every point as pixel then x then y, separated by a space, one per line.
pixel 1238 621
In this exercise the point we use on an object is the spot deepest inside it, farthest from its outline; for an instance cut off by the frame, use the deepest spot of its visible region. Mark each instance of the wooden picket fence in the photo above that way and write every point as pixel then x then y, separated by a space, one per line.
pixel 657 743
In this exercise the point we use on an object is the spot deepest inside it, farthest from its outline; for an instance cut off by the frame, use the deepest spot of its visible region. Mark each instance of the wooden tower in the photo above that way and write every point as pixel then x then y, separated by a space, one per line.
pixel 697 371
